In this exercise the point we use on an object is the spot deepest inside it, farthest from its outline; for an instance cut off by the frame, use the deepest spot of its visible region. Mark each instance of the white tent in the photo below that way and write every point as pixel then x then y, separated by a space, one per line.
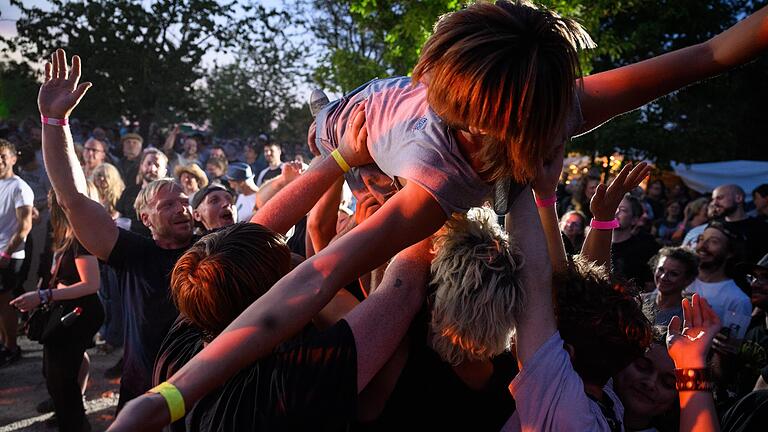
pixel 704 177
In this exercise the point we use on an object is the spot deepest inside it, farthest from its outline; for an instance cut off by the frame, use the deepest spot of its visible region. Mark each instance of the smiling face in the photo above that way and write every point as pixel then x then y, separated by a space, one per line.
pixel 94 153
pixel 712 249
pixel 647 386
pixel 670 275
pixel 7 161
pixel 152 167
pixel 216 210
pixel 168 215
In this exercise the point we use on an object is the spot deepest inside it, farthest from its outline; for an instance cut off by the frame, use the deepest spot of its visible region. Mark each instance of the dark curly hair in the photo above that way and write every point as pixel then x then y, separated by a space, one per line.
pixel 601 320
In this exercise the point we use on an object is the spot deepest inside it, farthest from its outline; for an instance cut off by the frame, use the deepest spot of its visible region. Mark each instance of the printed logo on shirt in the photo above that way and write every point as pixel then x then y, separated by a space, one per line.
pixel 420 124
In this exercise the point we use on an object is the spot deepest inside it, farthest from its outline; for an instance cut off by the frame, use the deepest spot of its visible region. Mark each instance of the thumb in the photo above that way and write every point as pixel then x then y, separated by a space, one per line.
pixel 80 91
pixel 674 326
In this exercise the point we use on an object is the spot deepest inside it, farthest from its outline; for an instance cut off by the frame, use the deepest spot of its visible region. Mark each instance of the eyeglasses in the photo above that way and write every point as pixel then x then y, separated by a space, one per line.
pixel 759 280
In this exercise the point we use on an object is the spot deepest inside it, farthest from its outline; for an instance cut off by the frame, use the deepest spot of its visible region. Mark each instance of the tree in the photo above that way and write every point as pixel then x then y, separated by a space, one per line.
pixel 142 61
pixel 18 90
pixel 257 89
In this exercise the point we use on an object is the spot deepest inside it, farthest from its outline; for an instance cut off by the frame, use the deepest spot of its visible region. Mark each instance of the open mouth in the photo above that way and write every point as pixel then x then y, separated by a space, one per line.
pixel 227 215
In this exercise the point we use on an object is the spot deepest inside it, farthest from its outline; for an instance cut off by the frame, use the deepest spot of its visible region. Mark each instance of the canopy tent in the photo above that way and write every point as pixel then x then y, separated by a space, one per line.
pixel 704 177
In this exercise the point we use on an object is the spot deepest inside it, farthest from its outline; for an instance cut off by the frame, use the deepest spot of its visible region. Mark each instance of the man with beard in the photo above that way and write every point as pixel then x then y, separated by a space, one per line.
pixel 716 248
pixel 143 265
pixel 152 166
pixel 729 206
pixel 214 207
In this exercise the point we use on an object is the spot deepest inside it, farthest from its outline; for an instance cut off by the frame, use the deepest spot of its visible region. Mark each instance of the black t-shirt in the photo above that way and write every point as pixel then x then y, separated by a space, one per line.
pixel 82 330
pixel 749 414
pixel 268 173
pixel 129 169
pixel 756 233
pixel 125 205
pixel 144 272
pixel 629 259
pixel 430 396
pixel 308 383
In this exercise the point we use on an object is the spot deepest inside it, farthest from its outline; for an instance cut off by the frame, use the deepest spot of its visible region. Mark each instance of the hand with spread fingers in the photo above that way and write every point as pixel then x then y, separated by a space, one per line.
pixel 603 205
pixel 60 92
pixel 689 346
pixel 354 143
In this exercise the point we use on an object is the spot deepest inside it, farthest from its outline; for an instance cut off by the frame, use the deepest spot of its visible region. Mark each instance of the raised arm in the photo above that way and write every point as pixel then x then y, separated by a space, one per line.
pixel 607 94
pixel 544 186
pixel 170 140
pixel 688 346
pixel 597 245
pixel 268 189
pixel 297 199
pixel 536 322
pixel 59 95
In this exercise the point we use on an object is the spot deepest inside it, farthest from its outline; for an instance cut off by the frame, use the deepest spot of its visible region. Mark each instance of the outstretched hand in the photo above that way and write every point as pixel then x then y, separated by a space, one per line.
pixel 354 143
pixel 60 92
pixel 606 199
pixel 689 347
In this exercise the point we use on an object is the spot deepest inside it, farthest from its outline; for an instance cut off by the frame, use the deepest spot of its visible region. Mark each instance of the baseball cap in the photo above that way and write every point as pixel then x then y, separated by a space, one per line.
pixel 239 171
pixel 200 195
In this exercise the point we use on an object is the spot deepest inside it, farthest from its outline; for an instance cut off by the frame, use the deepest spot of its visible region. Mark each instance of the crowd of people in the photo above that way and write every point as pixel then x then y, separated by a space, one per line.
pixel 378 288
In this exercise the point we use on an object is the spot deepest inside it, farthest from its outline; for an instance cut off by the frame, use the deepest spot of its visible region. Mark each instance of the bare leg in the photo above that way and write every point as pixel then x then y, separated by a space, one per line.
pixel 8 321
pixel 82 376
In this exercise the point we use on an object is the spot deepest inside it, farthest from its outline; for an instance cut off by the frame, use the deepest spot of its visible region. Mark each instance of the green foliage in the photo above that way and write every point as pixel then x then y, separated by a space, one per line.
pixel 142 61
pixel 18 90
pixel 255 91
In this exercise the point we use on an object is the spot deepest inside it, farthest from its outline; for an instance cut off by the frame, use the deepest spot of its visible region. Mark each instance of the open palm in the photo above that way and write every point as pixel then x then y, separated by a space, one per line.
pixel 60 92
pixel 606 199
pixel 689 344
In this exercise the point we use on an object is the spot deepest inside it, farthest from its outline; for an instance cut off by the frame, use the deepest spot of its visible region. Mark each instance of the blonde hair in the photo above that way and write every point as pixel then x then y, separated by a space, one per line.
pixel 115 186
pixel 147 195
pixel 478 292
pixel 507 69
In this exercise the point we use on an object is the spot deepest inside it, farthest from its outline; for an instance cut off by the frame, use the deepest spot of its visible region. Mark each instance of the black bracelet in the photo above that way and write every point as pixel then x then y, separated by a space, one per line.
pixel 693 380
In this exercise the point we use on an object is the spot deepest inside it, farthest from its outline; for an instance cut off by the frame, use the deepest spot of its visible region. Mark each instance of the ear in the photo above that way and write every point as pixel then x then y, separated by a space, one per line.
pixel 196 216
pixel 145 220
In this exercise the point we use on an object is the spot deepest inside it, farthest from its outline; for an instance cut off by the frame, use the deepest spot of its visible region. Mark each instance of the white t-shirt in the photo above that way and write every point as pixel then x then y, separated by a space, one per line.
pixel 14 193
pixel 549 395
pixel 728 301
pixel 244 206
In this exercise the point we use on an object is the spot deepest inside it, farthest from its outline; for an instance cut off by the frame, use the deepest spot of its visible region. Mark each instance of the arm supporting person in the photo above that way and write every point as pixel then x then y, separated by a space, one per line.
pixel 58 96
pixel 409 216
pixel 536 322
pixel 607 94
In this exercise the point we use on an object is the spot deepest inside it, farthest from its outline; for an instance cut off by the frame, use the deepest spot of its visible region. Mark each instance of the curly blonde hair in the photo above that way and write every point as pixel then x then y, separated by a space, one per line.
pixel 109 195
pixel 478 289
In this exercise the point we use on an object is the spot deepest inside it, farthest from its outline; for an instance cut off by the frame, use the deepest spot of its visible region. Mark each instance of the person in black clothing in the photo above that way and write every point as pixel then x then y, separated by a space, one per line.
pixel 153 165
pixel 129 163
pixel 760 198
pixel 272 154
pixel 630 252
pixel 74 283
pixel 143 265
pixel 729 205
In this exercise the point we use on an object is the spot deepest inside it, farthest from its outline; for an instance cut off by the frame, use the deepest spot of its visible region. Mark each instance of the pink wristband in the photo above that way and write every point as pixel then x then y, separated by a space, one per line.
pixel 5 254
pixel 54 121
pixel 604 225
pixel 546 202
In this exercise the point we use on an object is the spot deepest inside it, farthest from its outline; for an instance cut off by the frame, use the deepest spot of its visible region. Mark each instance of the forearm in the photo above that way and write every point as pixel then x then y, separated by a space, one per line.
pixel 74 291
pixel 269 189
pixel 697 412
pixel 536 322
pixel 597 246
pixel 740 43
pixel 16 239
pixel 61 164
pixel 555 247
pixel 295 200
pixel 322 220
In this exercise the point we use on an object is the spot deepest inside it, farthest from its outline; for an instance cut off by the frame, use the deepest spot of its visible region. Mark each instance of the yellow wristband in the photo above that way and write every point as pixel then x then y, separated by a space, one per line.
pixel 340 160
pixel 172 397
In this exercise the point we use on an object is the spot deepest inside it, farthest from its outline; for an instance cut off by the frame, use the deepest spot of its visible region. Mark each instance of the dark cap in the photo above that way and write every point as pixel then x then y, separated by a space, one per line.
pixel 200 195
pixel 239 171
pixel 748 268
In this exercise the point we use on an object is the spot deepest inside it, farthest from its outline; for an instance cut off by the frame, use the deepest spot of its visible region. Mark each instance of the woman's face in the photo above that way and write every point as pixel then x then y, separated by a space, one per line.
pixel 670 276
pixel 189 183
pixel 101 182
pixel 573 226
pixel 673 210
pixel 647 386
